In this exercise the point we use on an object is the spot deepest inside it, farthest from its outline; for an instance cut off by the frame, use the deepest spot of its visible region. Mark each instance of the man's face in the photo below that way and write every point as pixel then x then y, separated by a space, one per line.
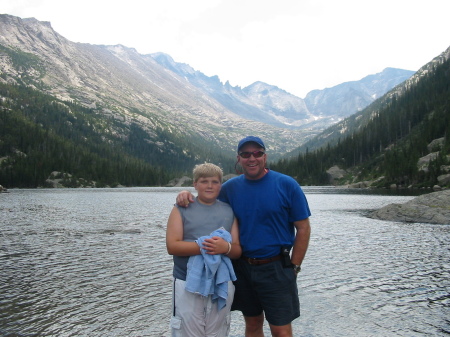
pixel 254 168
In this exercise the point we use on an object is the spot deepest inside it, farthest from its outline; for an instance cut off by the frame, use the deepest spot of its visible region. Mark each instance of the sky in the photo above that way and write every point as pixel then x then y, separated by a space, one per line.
pixel 296 45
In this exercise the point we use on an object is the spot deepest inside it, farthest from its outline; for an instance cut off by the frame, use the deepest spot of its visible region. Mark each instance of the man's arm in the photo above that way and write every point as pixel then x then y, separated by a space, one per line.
pixel 301 241
pixel 184 198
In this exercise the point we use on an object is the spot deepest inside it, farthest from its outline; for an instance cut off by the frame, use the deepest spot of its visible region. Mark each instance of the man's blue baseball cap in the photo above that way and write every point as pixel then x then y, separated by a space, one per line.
pixel 248 139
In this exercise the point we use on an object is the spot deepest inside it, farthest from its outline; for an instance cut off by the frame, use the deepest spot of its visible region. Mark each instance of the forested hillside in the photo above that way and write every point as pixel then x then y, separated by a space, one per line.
pixel 387 148
pixel 40 134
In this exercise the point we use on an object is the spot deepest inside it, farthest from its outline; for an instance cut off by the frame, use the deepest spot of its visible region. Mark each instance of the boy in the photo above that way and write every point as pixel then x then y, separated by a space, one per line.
pixel 199 313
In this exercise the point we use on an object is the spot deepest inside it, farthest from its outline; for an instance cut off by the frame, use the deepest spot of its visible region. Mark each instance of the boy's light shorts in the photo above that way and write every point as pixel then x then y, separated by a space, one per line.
pixel 195 315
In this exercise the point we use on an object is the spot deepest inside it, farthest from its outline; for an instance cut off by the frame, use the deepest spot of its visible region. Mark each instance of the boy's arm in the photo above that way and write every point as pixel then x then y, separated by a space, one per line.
pixel 174 237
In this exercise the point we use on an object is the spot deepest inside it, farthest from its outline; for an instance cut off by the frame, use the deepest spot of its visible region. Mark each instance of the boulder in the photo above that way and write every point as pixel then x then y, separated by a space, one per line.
pixel 428 208
pixel 55 178
pixel 53 183
pixel 423 162
pixel 229 176
pixel 443 180
pixel 335 173
pixel 183 181
pixel 436 145
pixel 359 184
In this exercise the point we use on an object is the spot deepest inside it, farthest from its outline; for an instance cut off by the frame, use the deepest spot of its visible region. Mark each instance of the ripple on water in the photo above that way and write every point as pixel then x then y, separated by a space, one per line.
pixel 94 263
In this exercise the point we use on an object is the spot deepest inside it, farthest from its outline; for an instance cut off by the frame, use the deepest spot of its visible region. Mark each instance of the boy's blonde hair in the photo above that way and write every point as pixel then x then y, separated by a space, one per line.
pixel 207 170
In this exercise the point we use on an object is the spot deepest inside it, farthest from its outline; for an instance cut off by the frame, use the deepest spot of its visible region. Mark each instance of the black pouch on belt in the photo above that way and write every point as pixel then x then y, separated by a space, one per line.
pixel 286 257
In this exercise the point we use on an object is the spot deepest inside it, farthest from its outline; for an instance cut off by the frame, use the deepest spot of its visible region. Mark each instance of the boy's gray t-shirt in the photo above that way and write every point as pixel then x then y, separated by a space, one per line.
pixel 201 220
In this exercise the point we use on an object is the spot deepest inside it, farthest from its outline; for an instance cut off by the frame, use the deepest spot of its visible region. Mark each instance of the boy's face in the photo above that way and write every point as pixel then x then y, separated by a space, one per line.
pixel 208 189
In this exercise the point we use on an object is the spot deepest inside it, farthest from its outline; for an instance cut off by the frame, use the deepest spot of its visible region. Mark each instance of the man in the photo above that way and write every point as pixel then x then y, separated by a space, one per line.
pixel 273 216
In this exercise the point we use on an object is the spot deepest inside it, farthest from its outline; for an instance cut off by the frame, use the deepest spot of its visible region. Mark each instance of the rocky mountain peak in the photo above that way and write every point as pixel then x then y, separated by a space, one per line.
pixel 154 91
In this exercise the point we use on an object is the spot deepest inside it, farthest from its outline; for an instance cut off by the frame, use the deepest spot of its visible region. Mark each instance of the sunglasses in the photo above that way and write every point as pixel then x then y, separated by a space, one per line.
pixel 256 154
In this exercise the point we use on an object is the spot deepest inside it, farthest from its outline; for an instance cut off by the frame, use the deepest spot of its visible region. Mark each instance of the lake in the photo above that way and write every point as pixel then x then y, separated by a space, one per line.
pixel 93 262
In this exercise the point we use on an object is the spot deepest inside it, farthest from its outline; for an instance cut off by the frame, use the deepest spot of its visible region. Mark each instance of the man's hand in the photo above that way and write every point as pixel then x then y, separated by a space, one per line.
pixel 184 198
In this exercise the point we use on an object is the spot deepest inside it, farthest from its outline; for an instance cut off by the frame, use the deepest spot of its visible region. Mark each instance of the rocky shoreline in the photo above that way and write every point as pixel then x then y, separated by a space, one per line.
pixel 432 208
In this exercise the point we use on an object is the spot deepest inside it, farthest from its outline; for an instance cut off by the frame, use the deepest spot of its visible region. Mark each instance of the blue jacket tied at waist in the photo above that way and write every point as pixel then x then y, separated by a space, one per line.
pixel 209 274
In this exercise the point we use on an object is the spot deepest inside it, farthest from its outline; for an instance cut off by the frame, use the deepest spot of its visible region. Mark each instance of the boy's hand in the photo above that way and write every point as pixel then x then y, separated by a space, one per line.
pixel 215 245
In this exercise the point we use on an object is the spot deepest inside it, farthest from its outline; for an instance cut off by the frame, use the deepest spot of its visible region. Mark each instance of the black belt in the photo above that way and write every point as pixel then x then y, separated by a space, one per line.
pixel 252 260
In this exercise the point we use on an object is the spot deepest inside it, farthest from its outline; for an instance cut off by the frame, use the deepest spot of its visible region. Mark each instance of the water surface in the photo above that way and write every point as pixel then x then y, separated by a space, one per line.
pixel 92 262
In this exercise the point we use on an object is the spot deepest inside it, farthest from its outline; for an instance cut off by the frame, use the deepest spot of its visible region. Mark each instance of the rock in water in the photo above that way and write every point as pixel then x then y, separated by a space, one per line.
pixel 428 208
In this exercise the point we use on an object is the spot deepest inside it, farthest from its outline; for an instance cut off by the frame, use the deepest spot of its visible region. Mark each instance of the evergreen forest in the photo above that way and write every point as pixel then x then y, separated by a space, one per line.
pixel 40 134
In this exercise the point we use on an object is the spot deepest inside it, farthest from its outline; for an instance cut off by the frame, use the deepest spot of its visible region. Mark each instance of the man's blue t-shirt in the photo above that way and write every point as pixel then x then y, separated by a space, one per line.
pixel 266 209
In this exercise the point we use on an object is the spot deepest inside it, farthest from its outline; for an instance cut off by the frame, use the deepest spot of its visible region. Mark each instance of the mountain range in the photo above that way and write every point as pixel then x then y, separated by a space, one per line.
pixel 83 112
pixel 156 93
pixel 269 104
pixel 357 121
